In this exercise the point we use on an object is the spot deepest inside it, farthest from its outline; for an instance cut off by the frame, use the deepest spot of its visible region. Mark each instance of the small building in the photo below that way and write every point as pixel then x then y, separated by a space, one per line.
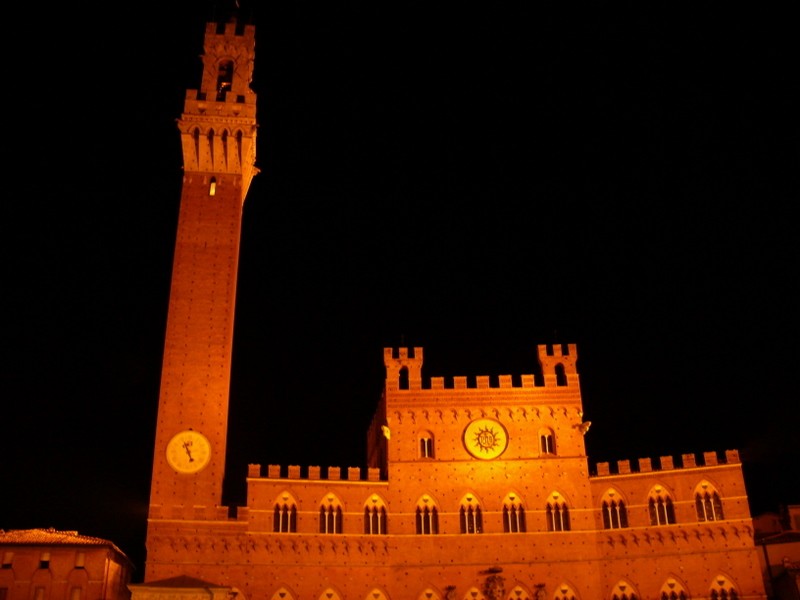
pixel 46 564
pixel 778 535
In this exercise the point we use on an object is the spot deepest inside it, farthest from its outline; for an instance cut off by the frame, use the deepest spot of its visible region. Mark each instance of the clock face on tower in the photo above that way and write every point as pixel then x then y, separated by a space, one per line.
pixel 188 452
pixel 485 438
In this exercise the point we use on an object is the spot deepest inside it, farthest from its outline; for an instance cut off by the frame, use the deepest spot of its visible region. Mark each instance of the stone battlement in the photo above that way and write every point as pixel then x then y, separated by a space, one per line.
pixel 666 463
pixel 254 471
pixel 557 363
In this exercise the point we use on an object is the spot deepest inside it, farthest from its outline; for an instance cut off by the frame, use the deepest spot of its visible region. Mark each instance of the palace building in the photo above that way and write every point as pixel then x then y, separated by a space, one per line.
pixel 476 487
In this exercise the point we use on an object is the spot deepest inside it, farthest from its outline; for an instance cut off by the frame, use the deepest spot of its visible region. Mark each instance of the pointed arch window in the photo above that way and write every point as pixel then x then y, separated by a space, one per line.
pixel 564 592
pixel 673 590
pixel 624 591
pixel 374 516
pixel 330 516
pixel 513 514
pixel 470 514
pixel 557 513
pixel 707 502
pixel 518 593
pixel 614 511
pixel 722 589
pixel 427 516
pixel 285 514
pixel 660 507
pixel 282 594
pixel 426 448
pixel 196 140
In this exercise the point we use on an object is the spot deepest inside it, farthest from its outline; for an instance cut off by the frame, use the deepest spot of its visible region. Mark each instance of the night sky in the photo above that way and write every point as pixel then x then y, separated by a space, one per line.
pixel 474 180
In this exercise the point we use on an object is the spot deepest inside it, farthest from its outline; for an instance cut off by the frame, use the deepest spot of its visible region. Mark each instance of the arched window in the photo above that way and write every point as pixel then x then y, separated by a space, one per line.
pixel 557 513
pixel 196 140
pixel 224 79
pixel 564 592
pixel 519 593
pixel 470 515
pixel 722 589
pixel 561 375
pixel 707 503
pixel 547 441
pixel 673 590
pixel 211 137
pixel 426 445
pixel 329 594
pixel 374 516
pixel 513 514
pixel 427 516
pixel 330 515
pixel 375 594
pixel 403 383
pixel 662 512
pixel 624 591
pixel 615 515
pixel 429 594
pixel 285 517
pixel 282 594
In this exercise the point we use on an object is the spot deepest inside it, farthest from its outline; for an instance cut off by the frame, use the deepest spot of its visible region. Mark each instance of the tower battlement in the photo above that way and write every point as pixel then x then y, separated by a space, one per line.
pixel 313 473
pixel 557 368
pixel 667 463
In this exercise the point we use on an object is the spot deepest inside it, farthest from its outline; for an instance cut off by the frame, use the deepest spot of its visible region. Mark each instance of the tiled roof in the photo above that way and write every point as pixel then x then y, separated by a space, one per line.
pixel 50 536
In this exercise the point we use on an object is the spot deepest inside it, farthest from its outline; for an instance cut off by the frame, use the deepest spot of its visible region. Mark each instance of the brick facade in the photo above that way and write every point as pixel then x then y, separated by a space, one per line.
pixel 476 488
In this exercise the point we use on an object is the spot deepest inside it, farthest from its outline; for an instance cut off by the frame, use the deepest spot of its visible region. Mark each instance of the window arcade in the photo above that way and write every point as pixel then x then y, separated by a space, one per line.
pixel 557 513
pixel 708 504
pixel 470 515
pixel 330 516
pixel 427 517
pixel 660 507
pixel 285 515
pixel 513 514
pixel 614 511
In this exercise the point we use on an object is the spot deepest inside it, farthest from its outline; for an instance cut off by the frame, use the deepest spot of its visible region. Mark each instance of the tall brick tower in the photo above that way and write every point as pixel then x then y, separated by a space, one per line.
pixel 218 137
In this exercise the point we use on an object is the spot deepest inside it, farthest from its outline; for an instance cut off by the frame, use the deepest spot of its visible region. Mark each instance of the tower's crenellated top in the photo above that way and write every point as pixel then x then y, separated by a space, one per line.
pixel 403 368
pixel 557 362
pixel 218 124
pixel 228 54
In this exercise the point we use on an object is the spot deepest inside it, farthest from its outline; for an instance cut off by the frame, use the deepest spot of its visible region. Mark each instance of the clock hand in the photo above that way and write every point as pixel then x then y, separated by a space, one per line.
pixel 188 452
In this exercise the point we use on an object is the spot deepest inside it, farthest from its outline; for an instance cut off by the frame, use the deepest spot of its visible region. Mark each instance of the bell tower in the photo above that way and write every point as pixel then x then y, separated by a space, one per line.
pixel 218 139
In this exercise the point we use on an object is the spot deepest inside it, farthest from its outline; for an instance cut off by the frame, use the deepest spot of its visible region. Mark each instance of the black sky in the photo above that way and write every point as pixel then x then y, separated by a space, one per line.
pixel 475 180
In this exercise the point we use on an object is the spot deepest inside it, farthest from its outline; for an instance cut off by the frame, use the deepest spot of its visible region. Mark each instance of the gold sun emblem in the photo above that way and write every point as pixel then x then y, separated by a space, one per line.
pixel 485 438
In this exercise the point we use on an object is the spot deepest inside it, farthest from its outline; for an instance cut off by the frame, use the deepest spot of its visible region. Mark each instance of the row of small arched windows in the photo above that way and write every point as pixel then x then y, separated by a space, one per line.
pixel 426 517
pixel 721 588
pixel 708 507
